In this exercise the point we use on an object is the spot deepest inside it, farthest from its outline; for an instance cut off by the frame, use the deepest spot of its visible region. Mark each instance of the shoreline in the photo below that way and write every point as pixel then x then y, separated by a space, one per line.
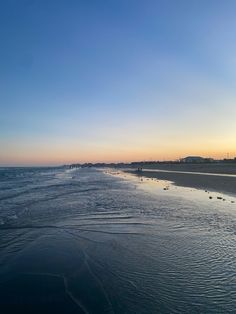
pixel 212 183
pixel 216 168
pixel 191 172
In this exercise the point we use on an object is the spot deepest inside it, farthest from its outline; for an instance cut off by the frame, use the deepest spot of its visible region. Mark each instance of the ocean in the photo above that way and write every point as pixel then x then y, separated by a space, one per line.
pixel 103 241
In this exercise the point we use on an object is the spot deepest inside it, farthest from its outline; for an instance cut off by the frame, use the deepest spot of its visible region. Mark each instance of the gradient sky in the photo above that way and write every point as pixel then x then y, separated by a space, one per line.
pixel 116 80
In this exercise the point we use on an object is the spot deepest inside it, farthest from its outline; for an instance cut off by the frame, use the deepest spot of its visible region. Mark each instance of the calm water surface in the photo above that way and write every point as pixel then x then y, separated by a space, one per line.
pixel 89 241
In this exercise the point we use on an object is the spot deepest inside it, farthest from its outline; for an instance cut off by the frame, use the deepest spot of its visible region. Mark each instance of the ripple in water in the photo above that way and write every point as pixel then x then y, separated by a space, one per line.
pixel 85 241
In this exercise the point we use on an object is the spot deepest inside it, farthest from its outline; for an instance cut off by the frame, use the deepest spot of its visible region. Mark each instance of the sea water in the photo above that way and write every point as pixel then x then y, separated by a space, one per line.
pixel 98 241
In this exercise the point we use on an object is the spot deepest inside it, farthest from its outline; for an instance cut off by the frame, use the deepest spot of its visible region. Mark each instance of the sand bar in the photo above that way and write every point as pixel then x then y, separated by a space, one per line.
pixel 217 183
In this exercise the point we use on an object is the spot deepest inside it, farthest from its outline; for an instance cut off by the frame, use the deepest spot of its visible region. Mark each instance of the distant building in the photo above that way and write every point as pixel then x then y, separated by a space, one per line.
pixel 195 159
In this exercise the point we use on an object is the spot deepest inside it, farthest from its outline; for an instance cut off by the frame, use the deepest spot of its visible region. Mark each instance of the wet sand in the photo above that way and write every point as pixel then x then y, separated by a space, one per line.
pixel 222 168
pixel 216 183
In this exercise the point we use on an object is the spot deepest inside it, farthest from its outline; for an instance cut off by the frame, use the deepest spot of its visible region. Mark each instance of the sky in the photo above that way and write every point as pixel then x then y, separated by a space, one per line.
pixel 116 80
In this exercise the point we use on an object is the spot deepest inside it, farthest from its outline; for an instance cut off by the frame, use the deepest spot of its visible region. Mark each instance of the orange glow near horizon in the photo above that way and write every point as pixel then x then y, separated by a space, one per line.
pixel 115 147
pixel 58 155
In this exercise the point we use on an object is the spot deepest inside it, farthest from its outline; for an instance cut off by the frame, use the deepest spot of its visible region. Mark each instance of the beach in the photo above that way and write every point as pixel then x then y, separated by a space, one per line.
pixel 195 176
pixel 212 167
pixel 104 241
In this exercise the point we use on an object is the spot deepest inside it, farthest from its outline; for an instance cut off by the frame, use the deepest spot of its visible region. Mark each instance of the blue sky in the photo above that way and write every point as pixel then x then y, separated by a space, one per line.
pixel 116 80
